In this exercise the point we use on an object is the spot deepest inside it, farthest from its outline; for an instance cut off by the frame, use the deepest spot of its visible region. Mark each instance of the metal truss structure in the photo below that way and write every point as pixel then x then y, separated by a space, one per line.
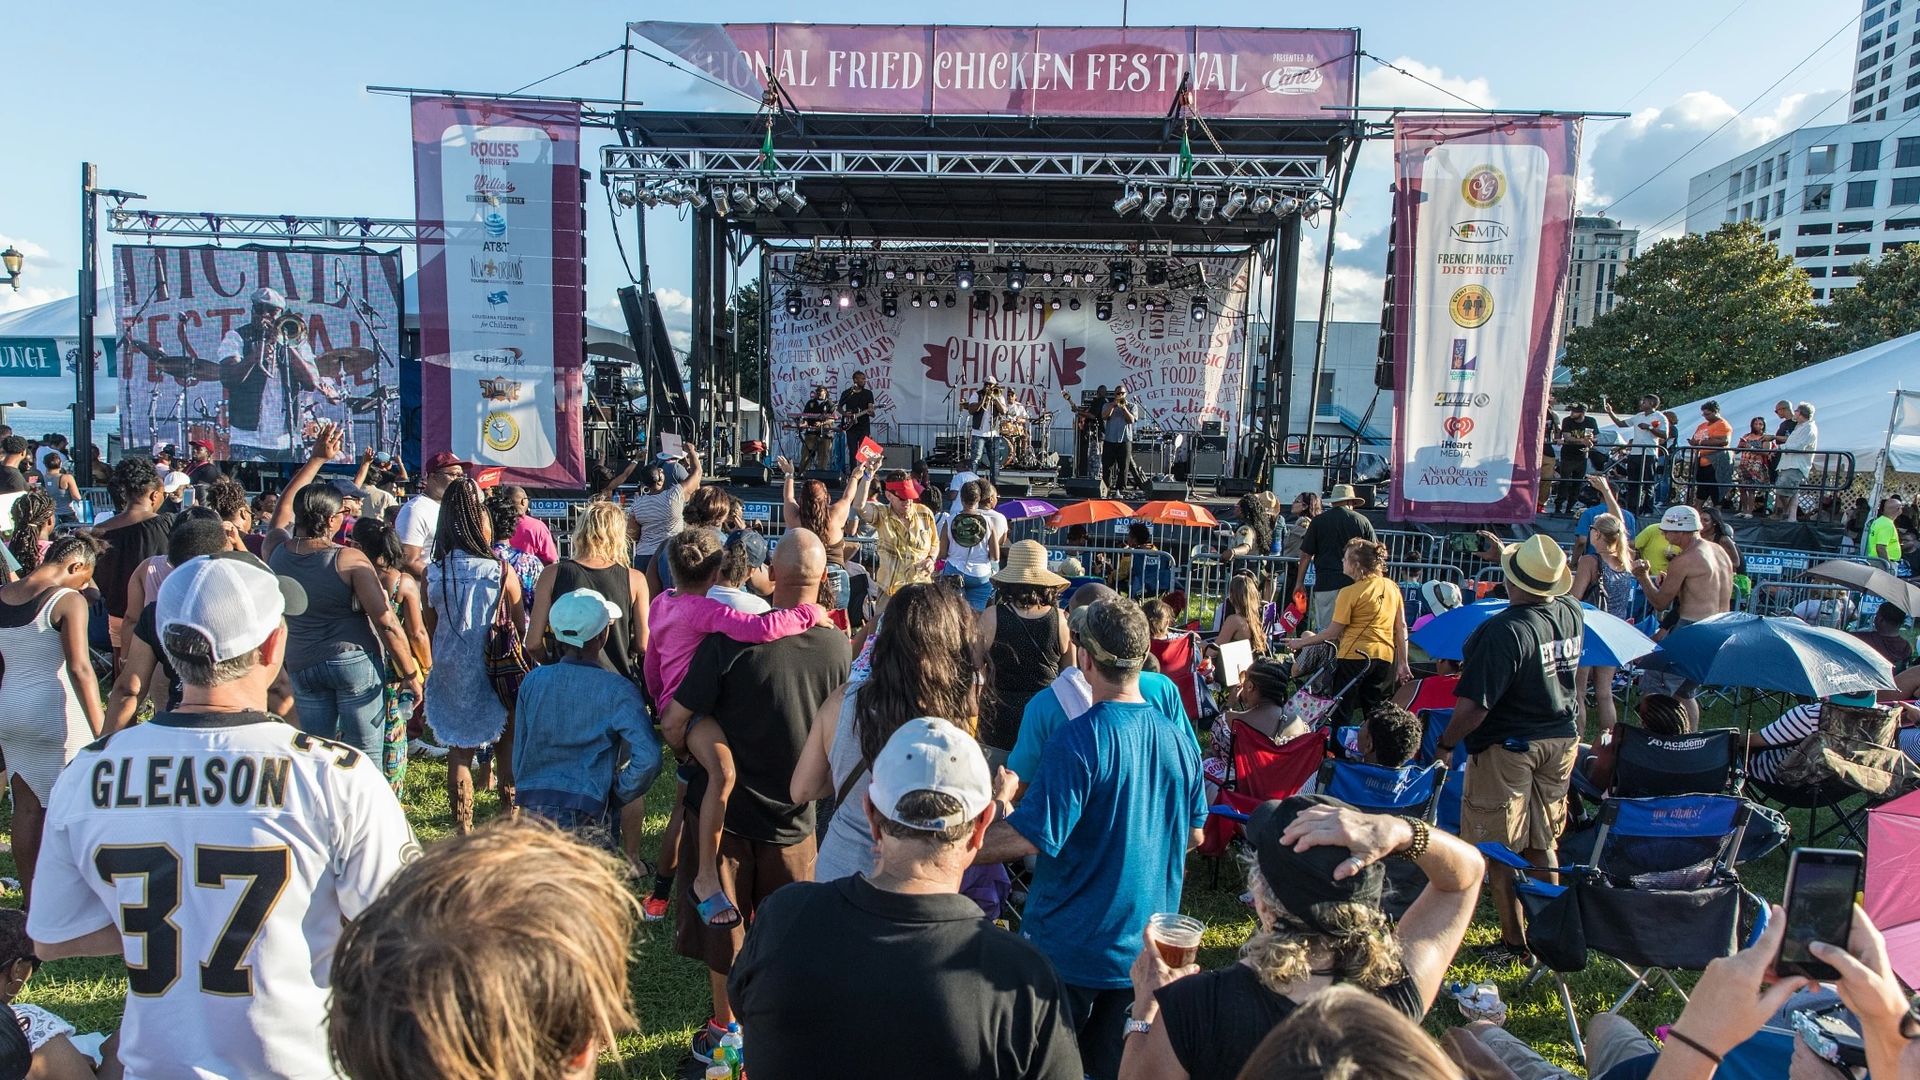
pixel 284 228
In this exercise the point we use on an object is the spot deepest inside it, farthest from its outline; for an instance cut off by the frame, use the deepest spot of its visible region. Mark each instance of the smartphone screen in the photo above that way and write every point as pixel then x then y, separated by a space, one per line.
pixel 1822 886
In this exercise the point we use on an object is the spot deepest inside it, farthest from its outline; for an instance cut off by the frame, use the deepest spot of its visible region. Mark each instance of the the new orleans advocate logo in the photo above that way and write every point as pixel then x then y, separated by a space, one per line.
pixel 500 430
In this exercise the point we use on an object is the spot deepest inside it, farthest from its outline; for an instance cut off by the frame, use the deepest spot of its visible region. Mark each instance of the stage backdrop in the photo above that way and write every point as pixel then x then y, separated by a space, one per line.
pixel 502 285
pixel 1484 209
pixel 1238 72
pixel 920 363
pixel 180 303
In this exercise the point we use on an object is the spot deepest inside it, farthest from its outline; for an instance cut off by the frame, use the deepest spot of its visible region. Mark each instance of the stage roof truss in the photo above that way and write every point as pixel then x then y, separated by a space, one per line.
pixel 201 225
pixel 651 162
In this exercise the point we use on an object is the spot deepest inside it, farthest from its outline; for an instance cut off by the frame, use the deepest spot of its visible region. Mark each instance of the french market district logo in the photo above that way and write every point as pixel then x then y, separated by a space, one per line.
pixel 1458 399
pixel 1471 306
pixel 1479 231
pixel 1458 426
pixel 1462 366
pixel 1483 187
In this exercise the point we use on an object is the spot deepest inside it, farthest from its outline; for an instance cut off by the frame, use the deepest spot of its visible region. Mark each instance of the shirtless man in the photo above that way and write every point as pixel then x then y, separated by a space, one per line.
pixel 1698 584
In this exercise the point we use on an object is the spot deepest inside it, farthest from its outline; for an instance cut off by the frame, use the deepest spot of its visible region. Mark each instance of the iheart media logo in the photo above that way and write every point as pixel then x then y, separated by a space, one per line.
pixel 1458 427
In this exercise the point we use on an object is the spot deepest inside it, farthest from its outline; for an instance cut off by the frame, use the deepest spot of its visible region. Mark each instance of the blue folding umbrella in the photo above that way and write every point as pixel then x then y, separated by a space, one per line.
pixel 1781 654
pixel 1609 641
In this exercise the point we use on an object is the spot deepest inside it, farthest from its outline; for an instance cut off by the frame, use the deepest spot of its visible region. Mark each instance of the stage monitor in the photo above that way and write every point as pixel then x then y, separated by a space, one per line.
pixel 1291 480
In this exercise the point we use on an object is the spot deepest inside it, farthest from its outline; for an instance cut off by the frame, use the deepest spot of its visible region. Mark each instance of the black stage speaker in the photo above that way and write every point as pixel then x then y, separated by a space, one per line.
pixel 1065 465
pixel 1216 444
pixel 1084 487
pixel 749 476
pixel 1207 464
pixel 1010 488
pixel 899 456
pixel 1235 486
pixel 1163 489
pixel 825 476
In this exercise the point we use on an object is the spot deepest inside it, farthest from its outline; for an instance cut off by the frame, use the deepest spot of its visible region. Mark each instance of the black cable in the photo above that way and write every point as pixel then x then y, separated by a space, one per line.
pixel 1688 51
pixel 622 47
pixel 613 218
pixel 1424 82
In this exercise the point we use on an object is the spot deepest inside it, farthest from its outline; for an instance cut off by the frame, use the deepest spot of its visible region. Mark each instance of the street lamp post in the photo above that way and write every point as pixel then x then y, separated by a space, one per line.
pixel 12 260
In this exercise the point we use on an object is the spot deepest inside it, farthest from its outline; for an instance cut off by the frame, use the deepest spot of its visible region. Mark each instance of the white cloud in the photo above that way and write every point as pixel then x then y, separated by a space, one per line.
pixel 1623 154
pixel 43 278
pixel 1384 86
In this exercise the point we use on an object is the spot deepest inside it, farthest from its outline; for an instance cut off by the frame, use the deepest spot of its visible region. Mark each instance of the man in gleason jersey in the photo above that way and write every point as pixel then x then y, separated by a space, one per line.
pixel 217 848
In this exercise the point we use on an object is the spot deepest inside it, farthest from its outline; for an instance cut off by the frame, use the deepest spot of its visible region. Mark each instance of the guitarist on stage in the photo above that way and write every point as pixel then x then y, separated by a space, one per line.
pixel 816 430
pixel 856 416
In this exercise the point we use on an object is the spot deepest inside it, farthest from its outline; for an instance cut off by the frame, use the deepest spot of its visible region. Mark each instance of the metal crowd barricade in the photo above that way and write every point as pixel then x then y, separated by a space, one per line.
pixel 1836 603
pixel 1147 569
pixel 1421 574
pixel 1829 472
pixel 1406 546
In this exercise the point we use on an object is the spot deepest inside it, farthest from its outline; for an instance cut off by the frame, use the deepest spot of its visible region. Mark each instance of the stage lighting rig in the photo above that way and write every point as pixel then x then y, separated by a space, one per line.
pixel 1103 307
pixel 1129 200
pixel 787 193
pixel 1156 202
pixel 1188 277
pixel 1209 202
pixel 793 301
pixel 1236 202
pixel 950 300
pixel 742 196
pixel 626 193
pixel 767 198
pixel 919 301
pixel 721 203
pixel 857 272
pixel 1156 273
pixel 963 274
pixel 983 301
pixel 889 303
pixel 1016 275
pixel 1262 203
pixel 1182 202
pixel 1197 308
pixel 1120 276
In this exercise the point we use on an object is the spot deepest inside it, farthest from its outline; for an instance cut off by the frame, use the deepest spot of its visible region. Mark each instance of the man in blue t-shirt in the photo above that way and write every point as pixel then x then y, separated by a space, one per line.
pixel 1117 789
pixel 1584 528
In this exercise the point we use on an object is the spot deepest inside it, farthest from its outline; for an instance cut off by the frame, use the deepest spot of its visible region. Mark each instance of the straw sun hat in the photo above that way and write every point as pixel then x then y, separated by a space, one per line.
pixel 1027 565
pixel 1537 566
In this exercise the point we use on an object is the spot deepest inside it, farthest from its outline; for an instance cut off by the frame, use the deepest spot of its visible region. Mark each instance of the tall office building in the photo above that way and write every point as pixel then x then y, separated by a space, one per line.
pixel 1601 250
pixel 1886 69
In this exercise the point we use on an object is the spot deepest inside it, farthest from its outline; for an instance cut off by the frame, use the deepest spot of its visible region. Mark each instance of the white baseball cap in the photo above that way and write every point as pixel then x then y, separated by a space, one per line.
pixel 1680 519
pixel 175 482
pixel 579 616
pixel 231 598
pixel 268 298
pixel 931 754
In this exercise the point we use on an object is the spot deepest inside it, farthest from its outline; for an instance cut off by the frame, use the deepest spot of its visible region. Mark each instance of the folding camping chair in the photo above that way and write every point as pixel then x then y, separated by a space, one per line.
pixel 1412 791
pixel 1258 769
pixel 1853 752
pixel 1453 784
pixel 1702 763
pixel 1661 895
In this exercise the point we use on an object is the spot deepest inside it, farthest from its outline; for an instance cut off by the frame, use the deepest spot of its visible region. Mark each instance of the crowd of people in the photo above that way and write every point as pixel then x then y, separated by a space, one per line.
pixel 881 761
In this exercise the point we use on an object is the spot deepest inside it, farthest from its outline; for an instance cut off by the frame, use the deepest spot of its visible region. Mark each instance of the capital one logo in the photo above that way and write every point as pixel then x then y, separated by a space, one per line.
pixel 1458 427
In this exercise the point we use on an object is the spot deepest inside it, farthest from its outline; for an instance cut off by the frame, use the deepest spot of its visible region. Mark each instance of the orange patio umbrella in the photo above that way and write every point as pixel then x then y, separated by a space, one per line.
pixel 1175 512
pixel 1089 511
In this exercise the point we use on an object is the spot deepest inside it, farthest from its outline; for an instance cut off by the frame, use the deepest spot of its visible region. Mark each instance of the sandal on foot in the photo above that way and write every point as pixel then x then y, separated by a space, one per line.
pixel 717 910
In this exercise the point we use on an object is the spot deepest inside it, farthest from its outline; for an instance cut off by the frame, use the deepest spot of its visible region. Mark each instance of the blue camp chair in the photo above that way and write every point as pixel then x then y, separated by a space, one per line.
pixel 1413 790
pixel 1453 786
pixel 1661 895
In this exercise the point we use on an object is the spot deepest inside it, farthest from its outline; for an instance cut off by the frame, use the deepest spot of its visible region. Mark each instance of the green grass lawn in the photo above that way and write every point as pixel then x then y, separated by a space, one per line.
pixel 670 993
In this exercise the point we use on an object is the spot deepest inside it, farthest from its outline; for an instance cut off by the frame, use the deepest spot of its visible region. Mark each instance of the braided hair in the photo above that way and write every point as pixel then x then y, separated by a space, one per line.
pixel 465 528
pixel 31 510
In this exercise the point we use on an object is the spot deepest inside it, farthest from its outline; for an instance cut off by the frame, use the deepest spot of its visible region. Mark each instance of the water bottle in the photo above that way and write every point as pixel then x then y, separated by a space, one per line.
pixel 733 1050
pixel 406 702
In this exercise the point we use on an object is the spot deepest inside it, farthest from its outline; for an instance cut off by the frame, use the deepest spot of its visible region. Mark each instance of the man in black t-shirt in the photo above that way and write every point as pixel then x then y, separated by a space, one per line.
pixel 13 451
pixel 816 430
pixel 856 413
pixel 764 698
pixel 1578 433
pixel 1515 712
pixel 1325 545
pixel 897 966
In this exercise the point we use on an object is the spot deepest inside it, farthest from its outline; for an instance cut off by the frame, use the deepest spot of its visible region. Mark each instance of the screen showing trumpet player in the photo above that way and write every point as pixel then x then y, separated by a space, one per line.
pixel 265 365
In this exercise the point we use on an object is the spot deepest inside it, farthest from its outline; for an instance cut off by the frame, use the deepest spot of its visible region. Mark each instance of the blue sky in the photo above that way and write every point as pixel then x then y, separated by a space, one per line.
pixel 249 107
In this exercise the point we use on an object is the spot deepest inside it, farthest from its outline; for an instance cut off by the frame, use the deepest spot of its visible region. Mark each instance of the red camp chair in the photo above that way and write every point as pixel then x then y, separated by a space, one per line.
pixel 1260 769
pixel 1179 658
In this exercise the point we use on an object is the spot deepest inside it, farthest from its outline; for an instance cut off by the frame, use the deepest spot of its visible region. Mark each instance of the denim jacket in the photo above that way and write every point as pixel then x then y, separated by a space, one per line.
pixel 573 726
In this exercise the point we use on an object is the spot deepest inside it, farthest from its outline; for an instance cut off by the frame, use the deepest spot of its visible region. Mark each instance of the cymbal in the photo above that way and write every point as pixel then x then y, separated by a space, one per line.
pixel 340 363
pixel 188 368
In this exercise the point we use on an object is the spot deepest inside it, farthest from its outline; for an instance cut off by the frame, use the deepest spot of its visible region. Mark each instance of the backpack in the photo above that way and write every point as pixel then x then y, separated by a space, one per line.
pixel 968 529
pixel 1854 746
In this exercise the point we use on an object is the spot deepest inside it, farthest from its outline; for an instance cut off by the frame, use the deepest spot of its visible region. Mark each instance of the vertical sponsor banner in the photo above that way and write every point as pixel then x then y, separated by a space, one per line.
pixel 922 362
pixel 502 285
pixel 201 357
pixel 1486 205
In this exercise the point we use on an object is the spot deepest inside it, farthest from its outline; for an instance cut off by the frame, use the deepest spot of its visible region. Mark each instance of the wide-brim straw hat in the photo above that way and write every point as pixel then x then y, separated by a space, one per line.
pixel 1537 566
pixel 1027 565
pixel 1343 493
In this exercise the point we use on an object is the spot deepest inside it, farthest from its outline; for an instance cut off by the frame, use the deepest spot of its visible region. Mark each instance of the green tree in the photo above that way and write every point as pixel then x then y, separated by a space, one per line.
pixel 1697 315
pixel 748 357
pixel 1884 303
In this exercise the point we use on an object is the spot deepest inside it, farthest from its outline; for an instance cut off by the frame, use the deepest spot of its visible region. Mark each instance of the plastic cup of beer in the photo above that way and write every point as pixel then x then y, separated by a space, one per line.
pixel 1177 937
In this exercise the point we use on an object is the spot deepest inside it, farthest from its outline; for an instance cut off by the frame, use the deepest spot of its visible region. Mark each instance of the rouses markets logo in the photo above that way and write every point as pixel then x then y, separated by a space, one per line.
pixel 494 152
pixel 1455 399
pixel 1293 79
pixel 1483 187
pixel 1479 231
pixel 1471 306
pixel 1458 426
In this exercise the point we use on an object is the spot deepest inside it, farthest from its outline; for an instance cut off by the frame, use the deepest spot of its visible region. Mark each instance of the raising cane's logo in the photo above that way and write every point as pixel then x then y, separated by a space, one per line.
pixel 1293 80
pixel 1458 426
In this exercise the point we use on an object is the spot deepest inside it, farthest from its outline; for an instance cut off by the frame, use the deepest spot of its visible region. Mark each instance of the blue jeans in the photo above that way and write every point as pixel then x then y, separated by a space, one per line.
pixel 977 590
pixel 343 698
pixel 991 449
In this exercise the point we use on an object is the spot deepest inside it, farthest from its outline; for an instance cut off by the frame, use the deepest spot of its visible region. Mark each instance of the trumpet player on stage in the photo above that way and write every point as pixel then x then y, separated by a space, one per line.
pixel 261 365
pixel 986 408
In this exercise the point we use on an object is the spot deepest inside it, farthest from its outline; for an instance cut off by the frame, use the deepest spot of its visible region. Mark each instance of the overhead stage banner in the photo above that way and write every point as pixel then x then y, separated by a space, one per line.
pixel 502 285
pixel 1238 73
pixel 923 361
pixel 1483 209
pixel 253 349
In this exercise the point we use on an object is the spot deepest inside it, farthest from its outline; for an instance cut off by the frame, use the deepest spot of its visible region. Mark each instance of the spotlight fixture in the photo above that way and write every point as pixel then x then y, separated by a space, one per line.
pixel 1156 273
pixel 626 194
pixel 1181 204
pixel 1086 276
pixel 1129 201
pixel 889 273
pixel 1038 304
pixel 1197 307
pixel 1188 277
pixel 910 274
pixel 1055 303
pixel 1120 276
pixel 767 198
pixel 1156 202
pixel 1016 275
pixel 1103 307
pixel 793 301
pixel 1008 301
pixel 743 196
pixel 1287 205
pixel 889 303
pixel 1073 304
pixel 846 299
pixel 983 301
pixel 919 301
pixel 787 193
pixel 692 192
pixel 963 273
pixel 860 299
pixel 857 272
pixel 933 300
pixel 1208 202
pixel 721 204
pixel 1262 203
pixel 1151 305
pixel 1317 202
pixel 1046 274
pixel 951 302
pixel 826 299
pixel 1132 304
pixel 1236 202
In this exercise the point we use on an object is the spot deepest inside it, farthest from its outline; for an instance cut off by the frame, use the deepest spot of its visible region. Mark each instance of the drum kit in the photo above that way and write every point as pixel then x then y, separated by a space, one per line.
pixel 1022 453
pixel 187 372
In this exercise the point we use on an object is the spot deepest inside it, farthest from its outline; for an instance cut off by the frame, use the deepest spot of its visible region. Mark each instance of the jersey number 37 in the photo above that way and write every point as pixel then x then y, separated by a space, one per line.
pixel 265 871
